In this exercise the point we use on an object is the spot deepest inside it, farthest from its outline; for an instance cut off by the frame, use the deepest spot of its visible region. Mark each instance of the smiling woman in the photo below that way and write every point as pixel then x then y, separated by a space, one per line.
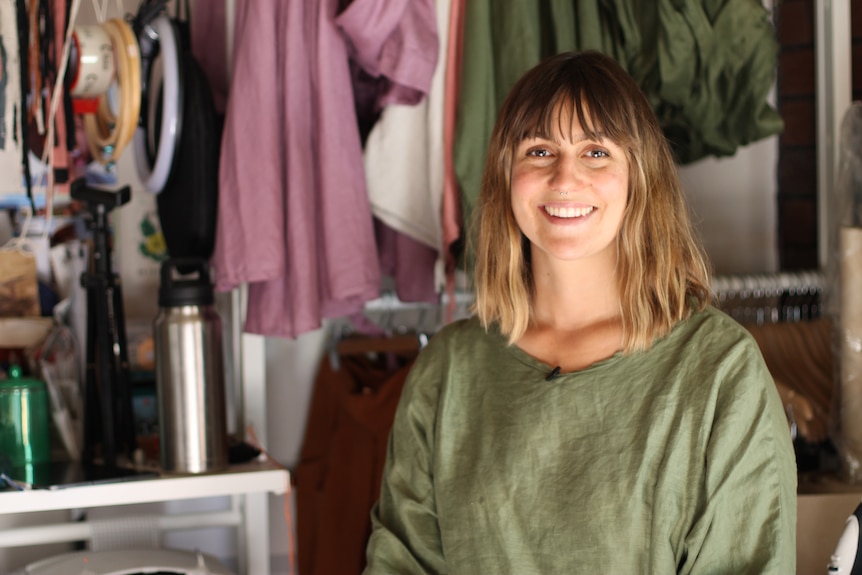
pixel 598 415
pixel 569 195
pixel 588 133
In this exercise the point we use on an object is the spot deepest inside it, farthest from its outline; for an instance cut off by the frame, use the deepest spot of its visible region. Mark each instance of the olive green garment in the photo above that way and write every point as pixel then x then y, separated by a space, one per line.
pixel 706 66
pixel 673 460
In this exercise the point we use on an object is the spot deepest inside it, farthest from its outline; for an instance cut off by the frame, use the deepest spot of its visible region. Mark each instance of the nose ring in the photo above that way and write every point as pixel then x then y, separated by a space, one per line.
pixel 566 193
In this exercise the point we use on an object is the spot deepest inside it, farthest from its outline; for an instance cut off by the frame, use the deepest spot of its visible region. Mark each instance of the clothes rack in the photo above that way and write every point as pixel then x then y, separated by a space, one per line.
pixel 771 297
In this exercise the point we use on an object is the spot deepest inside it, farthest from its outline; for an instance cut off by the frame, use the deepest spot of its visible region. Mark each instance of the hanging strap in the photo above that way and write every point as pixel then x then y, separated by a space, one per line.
pixel 183 12
pixel 147 12
pixel 23 47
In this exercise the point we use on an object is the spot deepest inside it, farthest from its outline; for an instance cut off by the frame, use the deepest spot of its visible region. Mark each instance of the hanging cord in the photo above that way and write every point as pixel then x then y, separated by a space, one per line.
pixel 291 554
pixel 183 10
pixel 109 134
pixel 101 10
pixel 35 68
pixel 56 96
pixel 23 51
pixel 19 242
pixel 100 7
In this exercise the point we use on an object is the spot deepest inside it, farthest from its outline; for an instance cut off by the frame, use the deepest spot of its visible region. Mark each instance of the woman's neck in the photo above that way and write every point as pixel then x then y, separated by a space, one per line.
pixel 577 318
pixel 569 295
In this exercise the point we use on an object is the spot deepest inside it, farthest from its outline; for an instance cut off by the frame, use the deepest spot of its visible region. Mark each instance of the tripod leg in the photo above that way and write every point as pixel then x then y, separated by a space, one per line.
pixel 106 379
pixel 125 431
pixel 92 409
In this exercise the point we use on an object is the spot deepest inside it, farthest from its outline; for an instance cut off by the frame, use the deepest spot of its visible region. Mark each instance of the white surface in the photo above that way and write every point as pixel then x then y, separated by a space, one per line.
pixel 128 561
pixel 82 530
pixel 166 488
pixel 734 205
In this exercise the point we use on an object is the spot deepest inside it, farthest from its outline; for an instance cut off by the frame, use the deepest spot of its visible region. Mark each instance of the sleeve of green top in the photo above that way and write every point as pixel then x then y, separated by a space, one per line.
pixel 747 511
pixel 405 536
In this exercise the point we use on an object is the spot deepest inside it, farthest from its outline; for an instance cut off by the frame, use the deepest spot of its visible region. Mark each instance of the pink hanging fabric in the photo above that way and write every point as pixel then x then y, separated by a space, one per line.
pixel 451 194
pixel 294 221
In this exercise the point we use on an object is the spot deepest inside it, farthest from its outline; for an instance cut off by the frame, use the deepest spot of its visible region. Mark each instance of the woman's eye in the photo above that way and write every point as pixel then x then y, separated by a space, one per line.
pixel 539 153
pixel 598 154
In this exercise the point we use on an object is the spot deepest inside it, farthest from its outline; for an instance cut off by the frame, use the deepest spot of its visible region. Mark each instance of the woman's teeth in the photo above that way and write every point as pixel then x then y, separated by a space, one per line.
pixel 568 212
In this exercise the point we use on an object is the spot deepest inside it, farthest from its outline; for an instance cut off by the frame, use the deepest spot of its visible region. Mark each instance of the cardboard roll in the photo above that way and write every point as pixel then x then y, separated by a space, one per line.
pixel 92 66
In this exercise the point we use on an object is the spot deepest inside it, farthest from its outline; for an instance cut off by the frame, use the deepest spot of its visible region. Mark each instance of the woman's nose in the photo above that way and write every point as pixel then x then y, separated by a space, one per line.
pixel 567 174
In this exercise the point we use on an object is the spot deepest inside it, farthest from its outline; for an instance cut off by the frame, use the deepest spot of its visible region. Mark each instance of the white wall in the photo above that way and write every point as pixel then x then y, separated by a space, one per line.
pixel 734 202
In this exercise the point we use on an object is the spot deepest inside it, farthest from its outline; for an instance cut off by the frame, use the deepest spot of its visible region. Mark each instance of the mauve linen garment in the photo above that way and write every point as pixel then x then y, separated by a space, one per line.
pixel 294 220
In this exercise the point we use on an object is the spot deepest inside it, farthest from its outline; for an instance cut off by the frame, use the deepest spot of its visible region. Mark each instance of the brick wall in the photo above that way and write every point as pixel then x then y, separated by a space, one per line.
pixel 797 149
pixel 797 154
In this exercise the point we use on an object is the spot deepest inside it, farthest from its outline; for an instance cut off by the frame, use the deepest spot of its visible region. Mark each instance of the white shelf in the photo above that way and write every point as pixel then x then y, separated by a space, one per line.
pixel 247 485
pixel 245 479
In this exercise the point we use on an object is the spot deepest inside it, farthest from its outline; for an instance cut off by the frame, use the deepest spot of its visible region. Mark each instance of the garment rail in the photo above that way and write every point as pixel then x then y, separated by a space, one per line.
pixel 749 298
pixel 770 298
pixel 387 324
pixel 396 317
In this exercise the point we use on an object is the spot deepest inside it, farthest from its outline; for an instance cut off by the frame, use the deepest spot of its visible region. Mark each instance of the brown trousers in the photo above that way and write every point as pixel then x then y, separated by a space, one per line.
pixel 341 462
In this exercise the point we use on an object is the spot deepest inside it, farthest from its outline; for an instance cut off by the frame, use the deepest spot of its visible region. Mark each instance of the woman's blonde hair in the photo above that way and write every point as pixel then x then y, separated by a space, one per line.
pixel 663 272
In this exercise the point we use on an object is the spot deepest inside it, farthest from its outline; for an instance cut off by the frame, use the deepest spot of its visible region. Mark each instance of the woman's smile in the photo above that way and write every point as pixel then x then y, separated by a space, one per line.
pixel 568 212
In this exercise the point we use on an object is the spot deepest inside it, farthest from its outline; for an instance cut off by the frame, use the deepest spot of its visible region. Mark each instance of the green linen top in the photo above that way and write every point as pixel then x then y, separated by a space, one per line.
pixel 673 460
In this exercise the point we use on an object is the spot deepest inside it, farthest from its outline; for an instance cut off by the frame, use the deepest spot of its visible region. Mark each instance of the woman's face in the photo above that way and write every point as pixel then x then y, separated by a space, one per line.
pixel 569 193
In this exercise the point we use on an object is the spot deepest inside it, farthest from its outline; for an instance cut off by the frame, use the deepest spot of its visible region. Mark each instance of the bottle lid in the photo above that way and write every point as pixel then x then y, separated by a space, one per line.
pixel 17 381
pixel 195 290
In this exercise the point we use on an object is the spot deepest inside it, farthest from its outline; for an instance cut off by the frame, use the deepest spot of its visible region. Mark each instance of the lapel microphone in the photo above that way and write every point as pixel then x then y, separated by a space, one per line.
pixel 554 373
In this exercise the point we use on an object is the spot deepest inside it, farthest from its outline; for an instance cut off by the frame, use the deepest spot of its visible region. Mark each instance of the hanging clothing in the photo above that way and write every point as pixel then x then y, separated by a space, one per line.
pixel 452 221
pixel 404 155
pixel 341 462
pixel 407 257
pixel 408 262
pixel 294 218
pixel 10 101
pixel 64 127
pixel 47 34
pixel 208 31
pixel 706 67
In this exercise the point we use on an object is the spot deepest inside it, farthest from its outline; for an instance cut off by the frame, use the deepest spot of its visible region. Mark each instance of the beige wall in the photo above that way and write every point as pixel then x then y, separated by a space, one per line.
pixel 819 524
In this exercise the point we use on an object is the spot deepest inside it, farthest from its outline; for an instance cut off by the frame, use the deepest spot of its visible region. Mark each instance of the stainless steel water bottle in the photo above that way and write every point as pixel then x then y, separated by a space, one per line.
pixel 189 371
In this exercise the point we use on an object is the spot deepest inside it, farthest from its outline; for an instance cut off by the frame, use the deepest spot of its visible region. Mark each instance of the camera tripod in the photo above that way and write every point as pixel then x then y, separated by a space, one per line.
pixel 108 417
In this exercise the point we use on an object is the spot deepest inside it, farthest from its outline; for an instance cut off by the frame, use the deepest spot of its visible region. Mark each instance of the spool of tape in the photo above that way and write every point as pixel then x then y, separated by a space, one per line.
pixel 95 67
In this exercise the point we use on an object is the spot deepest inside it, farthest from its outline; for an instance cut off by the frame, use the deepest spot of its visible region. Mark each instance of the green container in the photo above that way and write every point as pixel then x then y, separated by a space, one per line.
pixel 24 412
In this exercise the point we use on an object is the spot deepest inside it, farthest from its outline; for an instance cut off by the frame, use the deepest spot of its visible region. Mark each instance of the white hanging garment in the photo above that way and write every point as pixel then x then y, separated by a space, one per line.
pixel 10 102
pixel 404 156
